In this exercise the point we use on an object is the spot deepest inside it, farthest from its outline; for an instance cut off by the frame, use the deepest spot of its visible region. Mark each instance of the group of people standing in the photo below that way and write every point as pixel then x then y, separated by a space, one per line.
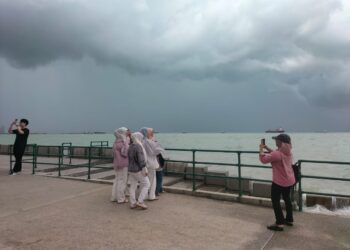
pixel 138 162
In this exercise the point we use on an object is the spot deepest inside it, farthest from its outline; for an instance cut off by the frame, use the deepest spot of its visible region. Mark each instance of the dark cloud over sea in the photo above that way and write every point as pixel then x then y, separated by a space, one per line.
pixel 294 49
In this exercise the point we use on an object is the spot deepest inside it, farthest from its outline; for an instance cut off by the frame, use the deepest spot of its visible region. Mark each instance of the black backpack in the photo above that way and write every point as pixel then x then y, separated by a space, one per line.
pixel 296 170
pixel 161 160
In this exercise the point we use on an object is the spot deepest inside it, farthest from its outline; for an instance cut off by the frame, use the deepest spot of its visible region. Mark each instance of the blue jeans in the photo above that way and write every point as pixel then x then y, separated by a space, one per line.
pixel 159 177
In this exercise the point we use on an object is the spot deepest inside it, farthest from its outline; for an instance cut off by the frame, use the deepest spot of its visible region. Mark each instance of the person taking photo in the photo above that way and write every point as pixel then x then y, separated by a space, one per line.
pixel 22 133
pixel 282 179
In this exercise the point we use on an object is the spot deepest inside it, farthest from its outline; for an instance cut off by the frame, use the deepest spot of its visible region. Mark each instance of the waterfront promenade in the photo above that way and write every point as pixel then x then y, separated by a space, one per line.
pixel 38 212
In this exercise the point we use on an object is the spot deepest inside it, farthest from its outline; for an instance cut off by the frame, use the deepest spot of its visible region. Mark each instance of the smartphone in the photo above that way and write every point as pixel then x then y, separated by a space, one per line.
pixel 263 141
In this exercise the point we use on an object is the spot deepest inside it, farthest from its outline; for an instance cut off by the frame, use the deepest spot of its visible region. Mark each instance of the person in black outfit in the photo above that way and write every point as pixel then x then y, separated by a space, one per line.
pixel 22 133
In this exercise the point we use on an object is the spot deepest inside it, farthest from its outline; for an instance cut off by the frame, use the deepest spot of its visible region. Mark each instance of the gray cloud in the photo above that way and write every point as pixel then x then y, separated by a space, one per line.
pixel 305 44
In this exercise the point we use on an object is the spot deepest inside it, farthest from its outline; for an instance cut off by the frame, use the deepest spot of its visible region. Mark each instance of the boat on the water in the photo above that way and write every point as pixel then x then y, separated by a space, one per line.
pixel 279 130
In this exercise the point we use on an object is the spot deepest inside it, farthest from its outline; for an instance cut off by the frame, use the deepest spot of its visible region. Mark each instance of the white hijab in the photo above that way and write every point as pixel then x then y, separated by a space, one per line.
pixel 151 147
pixel 137 138
pixel 121 134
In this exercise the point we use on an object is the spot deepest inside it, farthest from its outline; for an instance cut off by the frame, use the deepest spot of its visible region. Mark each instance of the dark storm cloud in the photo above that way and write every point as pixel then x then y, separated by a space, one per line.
pixel 304 44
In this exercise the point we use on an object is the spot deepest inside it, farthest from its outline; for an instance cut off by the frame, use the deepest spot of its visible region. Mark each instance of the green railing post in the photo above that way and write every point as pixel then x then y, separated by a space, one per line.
pixel 70 154
pixel 239 174
pixel 60 159
pixel 89 163
pixel 300 191
pixel 11 157
pixel 193 170
pixel 34 153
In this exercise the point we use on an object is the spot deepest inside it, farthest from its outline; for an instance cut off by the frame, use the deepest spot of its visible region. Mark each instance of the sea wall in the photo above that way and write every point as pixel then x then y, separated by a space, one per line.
pixel 53 151
pixel 249 188
pixel 4 149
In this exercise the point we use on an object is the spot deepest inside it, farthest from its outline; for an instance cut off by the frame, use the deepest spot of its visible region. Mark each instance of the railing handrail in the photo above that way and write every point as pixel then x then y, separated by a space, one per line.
pixel 325 162
pixel 212 150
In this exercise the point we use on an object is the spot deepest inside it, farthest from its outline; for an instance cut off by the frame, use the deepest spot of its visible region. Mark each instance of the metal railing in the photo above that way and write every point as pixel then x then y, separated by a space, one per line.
pixel 301 191
pixel 240 165
pixel 237 164
pixel 93 155
pixel 100 145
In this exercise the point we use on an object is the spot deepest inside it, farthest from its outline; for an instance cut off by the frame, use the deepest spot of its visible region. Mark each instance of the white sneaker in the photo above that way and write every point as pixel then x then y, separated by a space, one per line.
pixel 13 173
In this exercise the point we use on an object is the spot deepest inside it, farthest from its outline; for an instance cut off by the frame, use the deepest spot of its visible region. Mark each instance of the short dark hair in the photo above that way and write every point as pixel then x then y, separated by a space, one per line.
pixel 24 121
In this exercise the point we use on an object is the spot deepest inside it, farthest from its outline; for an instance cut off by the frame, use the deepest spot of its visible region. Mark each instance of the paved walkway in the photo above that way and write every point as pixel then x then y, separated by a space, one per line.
pixel 38 212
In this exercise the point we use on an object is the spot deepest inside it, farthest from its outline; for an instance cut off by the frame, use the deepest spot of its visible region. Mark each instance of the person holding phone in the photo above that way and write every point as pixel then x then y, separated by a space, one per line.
pixel 283 178
pixel 22 133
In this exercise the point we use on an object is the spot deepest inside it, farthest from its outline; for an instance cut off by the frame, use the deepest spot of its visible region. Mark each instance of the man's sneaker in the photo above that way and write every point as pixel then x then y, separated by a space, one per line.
pixel 141 205
pixel 133 206
pixel 275 227
pixel 13 173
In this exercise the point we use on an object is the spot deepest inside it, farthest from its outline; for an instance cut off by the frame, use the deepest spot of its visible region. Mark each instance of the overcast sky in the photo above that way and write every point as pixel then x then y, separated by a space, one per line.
pixel 197 66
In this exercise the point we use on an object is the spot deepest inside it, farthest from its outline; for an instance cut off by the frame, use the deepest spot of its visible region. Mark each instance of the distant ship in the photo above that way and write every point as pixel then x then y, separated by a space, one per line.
pixel 279 130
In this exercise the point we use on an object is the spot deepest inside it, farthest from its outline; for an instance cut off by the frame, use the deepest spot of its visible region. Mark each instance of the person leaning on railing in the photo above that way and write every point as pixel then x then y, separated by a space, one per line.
pixel 282 179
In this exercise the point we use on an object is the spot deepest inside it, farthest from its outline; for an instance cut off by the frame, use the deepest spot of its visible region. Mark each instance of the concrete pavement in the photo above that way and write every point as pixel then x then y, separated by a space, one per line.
pixel 38 212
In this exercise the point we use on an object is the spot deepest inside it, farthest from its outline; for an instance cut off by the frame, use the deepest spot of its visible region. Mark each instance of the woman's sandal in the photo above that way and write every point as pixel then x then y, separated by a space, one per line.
pixel 274 227
pixel 125 201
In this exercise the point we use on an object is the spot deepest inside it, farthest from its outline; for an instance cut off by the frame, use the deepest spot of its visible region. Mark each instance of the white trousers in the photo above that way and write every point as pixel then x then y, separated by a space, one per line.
pixel 153 182
pixel 119 185
pixel 134 179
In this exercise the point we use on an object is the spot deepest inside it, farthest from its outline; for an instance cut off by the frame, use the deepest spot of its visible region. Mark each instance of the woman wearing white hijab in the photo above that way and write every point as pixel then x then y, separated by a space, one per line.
pixel 120 164
pixel 137 171
pixel 153 149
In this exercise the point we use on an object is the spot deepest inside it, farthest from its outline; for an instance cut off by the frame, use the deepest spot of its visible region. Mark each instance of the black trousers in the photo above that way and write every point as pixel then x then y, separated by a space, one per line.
pixel 18 153
pixel 276 192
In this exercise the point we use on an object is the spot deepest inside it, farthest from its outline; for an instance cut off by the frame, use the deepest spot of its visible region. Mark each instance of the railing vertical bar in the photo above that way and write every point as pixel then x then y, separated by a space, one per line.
pixel 60 159
pixel 70 154
pixel 193 170
pixel 239 174
pixel 89 163
pixel 36 155
pixel 300 191
pixel 33 159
